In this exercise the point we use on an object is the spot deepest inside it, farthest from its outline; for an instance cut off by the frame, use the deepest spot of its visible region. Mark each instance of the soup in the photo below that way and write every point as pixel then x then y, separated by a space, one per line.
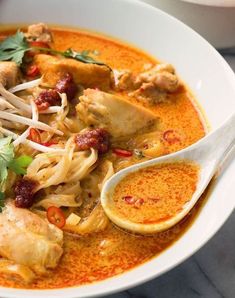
pixel 77 107
pixel 156 193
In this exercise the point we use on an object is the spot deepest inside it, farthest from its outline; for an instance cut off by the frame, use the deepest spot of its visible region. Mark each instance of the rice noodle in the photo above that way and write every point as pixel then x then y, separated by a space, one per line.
pixel 60 200
pixel 81 165
pixel 51 169
pixel 65 167
pixel 24 86
pixel 110 172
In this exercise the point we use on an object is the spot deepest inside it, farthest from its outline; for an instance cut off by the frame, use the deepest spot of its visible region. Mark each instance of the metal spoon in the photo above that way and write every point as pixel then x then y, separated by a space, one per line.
pixel 207 153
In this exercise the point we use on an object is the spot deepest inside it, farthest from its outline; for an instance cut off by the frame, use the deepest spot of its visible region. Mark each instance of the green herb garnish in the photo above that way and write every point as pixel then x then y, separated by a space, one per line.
pixel 2 201
pixel 19 164
pixel 8 162
pixel 83 56
pixel 13 48
pixel 6 156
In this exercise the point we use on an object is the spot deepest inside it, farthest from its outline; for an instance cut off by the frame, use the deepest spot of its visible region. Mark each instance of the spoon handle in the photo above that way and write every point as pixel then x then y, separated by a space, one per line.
pixel 216 144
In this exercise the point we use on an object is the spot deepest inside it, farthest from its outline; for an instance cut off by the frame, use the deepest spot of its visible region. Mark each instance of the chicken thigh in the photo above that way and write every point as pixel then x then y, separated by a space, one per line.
pixel 29 240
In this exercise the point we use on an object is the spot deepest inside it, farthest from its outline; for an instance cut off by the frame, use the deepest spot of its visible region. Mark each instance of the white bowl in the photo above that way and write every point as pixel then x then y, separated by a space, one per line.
pixel 204 70
pixel 213 19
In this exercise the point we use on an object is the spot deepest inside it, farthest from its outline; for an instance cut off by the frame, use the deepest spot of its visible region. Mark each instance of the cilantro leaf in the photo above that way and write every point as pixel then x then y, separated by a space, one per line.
pixel 8 161
pixel 6 155
pixel 14 41
pixel 2 201
pixel 19 164
pixel 6 150
pixel 81 56
pixel 3 171
pixel 13 48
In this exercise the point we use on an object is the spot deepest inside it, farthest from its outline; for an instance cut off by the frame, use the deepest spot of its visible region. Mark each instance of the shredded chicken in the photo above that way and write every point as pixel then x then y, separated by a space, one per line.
pixel 39 32
pixel 9 74
pixel 162 76
pixel 87 75
pixel 152 86
pixel 114 113
pixel 125 80
pixel 28 240
pixel 148 92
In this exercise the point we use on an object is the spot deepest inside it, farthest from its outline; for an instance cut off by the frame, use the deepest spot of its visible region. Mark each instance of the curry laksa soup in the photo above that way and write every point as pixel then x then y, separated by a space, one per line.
pixel 75 108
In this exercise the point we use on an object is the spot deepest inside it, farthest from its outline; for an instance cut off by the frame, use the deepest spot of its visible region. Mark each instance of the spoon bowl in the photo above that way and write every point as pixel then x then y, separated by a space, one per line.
pixel 207 153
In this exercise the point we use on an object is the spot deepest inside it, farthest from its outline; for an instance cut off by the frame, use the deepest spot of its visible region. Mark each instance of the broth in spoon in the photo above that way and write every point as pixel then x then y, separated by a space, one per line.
pixel 155 193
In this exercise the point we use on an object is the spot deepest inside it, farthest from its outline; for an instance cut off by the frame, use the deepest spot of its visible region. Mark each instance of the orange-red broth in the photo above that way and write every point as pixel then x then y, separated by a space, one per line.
pixel 156 193
pixel 98 256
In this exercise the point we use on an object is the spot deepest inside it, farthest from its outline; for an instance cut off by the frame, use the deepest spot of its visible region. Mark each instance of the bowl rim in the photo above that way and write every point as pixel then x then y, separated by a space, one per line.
pixel 102 287
pixel 213 3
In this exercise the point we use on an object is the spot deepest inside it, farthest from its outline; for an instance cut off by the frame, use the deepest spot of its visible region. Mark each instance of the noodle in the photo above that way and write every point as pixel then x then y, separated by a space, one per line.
pixel 51 168
pixel 109 173
pixel 60 200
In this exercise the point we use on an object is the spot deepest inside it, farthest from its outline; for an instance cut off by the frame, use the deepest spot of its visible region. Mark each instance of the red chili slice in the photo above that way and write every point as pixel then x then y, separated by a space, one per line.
pixel 39 44
pixel 34 135
pixel 129 199
pixel 122 152
pixel 139 202
pixel 136 202
pixel 32 71
pixel 49 143
pixel 171 136
pixel 56 216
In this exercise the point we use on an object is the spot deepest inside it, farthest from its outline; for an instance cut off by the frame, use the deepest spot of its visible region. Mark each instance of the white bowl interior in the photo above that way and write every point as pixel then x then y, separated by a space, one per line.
pixel 197 63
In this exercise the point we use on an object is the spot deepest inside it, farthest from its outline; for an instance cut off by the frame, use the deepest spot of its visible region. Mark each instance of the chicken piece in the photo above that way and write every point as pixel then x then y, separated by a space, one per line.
pixel 9 74
pixel 151 86
pixel 29 240
pixel 125 80
pixel 16 270
pixel 161 76
pixel 39 32
pixel 87 75
pixel 149 92
pixel 117 115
